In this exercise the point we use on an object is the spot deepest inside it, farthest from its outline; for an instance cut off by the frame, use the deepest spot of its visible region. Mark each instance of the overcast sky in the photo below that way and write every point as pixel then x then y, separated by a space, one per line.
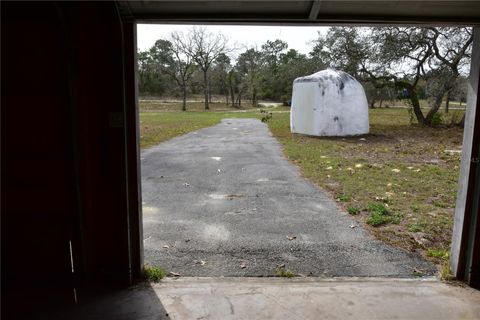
pixel 296 37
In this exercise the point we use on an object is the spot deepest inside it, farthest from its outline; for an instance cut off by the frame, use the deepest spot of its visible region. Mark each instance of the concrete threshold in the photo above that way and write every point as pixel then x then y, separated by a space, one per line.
pixel 281 298
pixel 317 298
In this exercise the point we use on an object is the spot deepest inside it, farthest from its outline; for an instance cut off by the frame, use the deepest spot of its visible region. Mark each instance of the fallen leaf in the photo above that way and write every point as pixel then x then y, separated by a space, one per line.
pixel 417 272
pixel 243 265
pixel 174 274
pixel 396 170
pixel 358 165
pixel 200 262
pixel 186 184
pixel 353 226
pixel 291 238
pixel 281 265
pixel 166 246
pixel 329 168
pixel 410 168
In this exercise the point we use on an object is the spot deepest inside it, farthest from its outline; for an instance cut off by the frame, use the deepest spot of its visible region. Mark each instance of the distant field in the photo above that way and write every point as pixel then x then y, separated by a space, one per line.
pixel 400 180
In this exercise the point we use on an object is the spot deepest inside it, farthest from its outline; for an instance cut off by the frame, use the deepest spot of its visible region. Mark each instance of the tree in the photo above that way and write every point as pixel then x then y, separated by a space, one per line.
pixel 343 48
pixel 292 65
pixel 220 71
pixel 170 57
pixel 150 81
pixel 270 83
pixel 249 65
pixel 451 48
pixel 271 51
pixel 398 56
pixel 205 48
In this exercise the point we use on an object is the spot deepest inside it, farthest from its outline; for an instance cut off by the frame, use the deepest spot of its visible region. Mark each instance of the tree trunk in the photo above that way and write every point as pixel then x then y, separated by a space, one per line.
pixel 416 105
pixel 433 110
pixel 372 104
pixel 254 97
pixel 232 94
pixel 447 101
pixel 184 93
pixel 447 86
pixel 461 124
pixel 412 92
pixel 239 99
pixel 205 89
pixel 380 105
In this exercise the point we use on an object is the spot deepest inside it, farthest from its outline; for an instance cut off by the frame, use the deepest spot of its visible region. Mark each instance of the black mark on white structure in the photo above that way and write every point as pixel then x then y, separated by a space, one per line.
pixel 335 118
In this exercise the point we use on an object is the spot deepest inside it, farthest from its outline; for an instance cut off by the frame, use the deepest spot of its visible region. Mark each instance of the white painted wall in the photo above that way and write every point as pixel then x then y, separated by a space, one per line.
pixel 329 103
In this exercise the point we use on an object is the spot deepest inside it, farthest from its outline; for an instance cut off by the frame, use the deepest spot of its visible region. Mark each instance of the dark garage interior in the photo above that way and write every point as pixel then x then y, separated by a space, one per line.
pixel 71 209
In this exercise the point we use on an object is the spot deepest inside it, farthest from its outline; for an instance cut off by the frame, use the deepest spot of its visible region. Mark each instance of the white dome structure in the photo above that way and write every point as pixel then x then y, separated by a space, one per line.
pixel 329 103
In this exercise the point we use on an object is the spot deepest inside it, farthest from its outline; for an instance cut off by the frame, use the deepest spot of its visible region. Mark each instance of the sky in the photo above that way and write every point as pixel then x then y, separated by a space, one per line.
pixel 296 37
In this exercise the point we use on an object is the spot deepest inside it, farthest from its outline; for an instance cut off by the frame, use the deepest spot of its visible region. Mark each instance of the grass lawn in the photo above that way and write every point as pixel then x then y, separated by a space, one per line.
pixel 156 127
pixel 398 180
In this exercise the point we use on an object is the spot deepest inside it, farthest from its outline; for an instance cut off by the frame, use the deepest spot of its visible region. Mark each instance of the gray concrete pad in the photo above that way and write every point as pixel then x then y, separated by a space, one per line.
pixel 222 201
pixel 254 298
pixel 280 298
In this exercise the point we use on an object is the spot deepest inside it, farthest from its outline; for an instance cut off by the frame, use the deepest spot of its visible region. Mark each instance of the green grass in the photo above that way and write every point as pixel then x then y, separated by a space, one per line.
pixel 154 274
pixel 353 210
pixel 379 214
pixel 439 253
pixel 400 166
pixel 343 198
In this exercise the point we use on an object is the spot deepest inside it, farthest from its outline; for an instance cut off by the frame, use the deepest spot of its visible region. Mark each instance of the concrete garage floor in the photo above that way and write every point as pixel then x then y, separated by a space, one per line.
pixel 279 298
pixel 222 201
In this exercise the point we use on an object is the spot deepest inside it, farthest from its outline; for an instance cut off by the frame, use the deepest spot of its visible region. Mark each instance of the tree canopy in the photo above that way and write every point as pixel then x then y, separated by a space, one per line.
pixel 411 63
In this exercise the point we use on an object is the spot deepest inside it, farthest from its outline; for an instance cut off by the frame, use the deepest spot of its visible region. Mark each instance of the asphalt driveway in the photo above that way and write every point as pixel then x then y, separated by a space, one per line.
pixel 223 201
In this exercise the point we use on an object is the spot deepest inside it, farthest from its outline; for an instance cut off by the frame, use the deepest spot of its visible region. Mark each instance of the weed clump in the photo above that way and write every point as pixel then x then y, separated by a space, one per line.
pixel 379 214
pixel 154 274
pixel 266 115
pixel 282 272
pixel 353 210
